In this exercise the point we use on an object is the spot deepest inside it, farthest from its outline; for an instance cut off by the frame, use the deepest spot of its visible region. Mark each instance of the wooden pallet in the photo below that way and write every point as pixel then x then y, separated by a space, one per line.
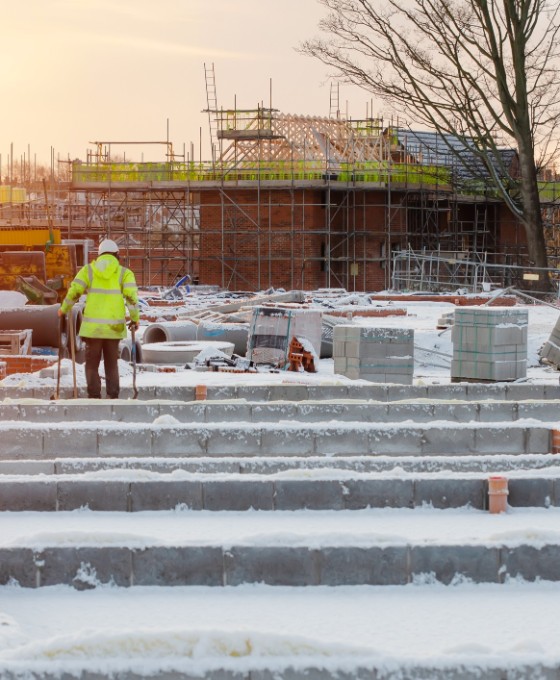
pixel 15 342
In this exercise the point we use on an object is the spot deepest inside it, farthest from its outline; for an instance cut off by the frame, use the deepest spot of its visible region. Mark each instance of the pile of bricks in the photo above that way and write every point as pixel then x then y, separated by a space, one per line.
pixel 384 355
pixel 489 344
pixel 23 363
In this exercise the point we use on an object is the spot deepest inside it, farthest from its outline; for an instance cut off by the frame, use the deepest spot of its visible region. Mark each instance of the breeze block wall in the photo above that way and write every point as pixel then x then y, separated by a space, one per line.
pixel 489 344
pixel 384 355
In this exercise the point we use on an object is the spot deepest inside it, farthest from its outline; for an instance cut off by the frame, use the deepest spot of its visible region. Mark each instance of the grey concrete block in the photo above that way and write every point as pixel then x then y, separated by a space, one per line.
pixel 18 564
pixel 165 495
pixel 378 493
pixel 37 413
pixel 178 566
pixel 287 442
pixel 538 440
pixel 485 391
pixel 168 440
pixel 450 493
pixel 419 412
pixel 532 563
pixel 500 439
pixel 275 566
pixel 326 392
pixel 319 494
pixel 96 495
pixel 64 442
pixel 317 412
pixel 448 440
pixel 227 413
pixel 18 443
pixel 28 495
pixel 445 562
pixel 174 392
pixel 238 495
pixel 521 392
pixel 27 467
pixel 370 392
pixel 288 393
pixel 547 411
pixel 74 566
pixel 493 411
pixel 135 412
pixel 119 442
pixel 254 392
pixel 95 409
pixel 185 412
pixel 341 442
pixel 363 566
pixel 531 492
pixel 447 392
pixel 398 441
pixel 273 412
pixel 233 441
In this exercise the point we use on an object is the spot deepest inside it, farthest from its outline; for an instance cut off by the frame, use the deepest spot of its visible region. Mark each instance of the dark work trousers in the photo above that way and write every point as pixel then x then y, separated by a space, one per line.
pixel 109 349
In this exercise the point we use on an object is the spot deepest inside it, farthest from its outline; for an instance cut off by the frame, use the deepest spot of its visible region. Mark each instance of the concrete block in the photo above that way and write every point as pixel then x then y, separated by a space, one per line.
pixel 233 441
pixel 226 413
pixel 538 440
pixel 174 392
pixel 135 412
pixel 331 441
pixel 399 393
pixel 492 411
pixel 221 392
pixel 326 392
pixel 350 566
pixel 378 493
pixel 37 413
pixel 76 566
pixel 96 495
pixel 288 393
pixel 450 493
pixel 484 391
pixel 28 495
pixel 445 562
pixel 165 495
pixel 436 441
pixel 531 492
pixel 419 412
pixel 254 392
pixel 401 440
pixel 370 392
pixel 321 412
pixel 274 566
pixel 273 412
pixel 176 441
pixel 238 495
pixel 68 442
pixel 340 365
pixel 318 494
pixel 532 563
pixel 454 412
pixel 94 410
pixel 287 442
pixel 18 564
pixel 18 443
pixel 547 411
pixel 178 566
pixel 500 439
pixel 119 442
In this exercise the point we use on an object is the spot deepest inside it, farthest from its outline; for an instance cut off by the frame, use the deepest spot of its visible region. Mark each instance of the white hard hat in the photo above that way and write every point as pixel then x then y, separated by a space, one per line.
pixel 107 246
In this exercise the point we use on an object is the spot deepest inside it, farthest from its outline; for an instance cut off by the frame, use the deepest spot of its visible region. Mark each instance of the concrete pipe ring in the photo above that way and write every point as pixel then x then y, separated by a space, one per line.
pixel 238 333
pixel 125 350
pixel 169 332
pixel 181 352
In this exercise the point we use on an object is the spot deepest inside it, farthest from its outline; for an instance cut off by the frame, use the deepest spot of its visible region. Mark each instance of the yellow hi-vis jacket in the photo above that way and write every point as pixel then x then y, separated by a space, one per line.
pixel 108 286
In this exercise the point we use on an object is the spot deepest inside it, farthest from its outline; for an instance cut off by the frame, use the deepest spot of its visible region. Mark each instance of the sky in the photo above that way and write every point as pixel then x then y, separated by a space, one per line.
pixel 75 72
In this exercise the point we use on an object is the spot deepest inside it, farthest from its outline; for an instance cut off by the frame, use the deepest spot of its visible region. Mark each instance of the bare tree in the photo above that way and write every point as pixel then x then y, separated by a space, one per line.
pixel 480 70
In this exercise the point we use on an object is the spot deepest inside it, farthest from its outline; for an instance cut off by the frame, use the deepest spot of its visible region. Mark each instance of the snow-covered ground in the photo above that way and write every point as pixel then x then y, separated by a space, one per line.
pixel 194 629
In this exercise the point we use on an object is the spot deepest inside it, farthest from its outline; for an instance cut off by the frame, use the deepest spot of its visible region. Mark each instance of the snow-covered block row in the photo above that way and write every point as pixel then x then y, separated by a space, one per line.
pixel 489 344
pixel 376 354
pixel 551 348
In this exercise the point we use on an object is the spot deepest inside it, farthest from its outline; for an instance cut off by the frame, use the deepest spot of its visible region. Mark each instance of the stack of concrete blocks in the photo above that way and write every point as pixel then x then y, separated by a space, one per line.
pixel 272 328
pixel 489 344
pixel 550 351
pixel 382 355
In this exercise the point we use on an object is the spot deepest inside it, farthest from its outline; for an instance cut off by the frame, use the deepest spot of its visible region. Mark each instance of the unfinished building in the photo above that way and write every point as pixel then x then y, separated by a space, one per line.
pixel 299 202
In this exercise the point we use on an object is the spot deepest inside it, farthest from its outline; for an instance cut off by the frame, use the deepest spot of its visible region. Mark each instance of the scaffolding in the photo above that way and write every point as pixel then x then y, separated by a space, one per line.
pixel 287 201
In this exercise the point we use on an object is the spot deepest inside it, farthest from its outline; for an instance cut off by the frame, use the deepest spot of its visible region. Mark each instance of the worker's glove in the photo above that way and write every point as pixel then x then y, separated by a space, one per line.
pixel 133 325
pixel 60 312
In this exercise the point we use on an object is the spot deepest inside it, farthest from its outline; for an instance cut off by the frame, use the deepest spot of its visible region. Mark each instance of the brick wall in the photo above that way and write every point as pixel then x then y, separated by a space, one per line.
pixel 279 238
pixel 20 363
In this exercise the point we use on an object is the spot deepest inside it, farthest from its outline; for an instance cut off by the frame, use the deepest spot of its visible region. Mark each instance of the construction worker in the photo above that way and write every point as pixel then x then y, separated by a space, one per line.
pixel 108 287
